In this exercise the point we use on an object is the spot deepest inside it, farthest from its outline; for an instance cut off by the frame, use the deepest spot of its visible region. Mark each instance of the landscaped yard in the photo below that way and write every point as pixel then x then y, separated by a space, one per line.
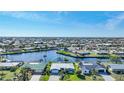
pixel 6 75
pixel 44 77
pixel 13 74
pixel 73 77
pixel 46 73
pixel 76 76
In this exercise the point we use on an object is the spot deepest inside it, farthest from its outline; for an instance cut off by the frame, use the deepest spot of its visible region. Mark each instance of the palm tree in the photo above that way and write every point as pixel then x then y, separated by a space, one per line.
pixel 25 74
pixel 44 56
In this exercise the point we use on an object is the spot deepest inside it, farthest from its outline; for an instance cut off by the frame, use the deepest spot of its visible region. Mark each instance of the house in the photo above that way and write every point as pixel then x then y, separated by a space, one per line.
pixel 116 68
pixel 103 52
pixel 84 53
pixel 35 66
pixel 88 67
pixel 9 65
pixel 56 67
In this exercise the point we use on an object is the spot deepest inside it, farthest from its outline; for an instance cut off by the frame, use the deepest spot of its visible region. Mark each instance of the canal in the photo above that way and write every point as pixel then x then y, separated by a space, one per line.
pixel 47 56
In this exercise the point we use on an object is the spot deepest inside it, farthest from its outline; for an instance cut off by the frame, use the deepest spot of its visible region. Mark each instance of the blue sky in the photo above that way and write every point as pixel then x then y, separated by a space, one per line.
pixel 62 24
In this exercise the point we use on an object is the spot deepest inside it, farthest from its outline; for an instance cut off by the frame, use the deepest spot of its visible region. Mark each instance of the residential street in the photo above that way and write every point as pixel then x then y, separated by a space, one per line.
pixel 54 78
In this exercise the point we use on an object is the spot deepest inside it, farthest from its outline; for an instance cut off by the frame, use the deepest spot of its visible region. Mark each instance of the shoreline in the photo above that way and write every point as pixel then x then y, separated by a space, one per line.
pixel 76 56
pixel 21 52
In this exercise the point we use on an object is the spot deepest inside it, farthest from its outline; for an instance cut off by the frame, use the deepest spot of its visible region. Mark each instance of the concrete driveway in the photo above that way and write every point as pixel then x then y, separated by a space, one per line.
pixel 54 78
pixel 35 77
pixel 107 77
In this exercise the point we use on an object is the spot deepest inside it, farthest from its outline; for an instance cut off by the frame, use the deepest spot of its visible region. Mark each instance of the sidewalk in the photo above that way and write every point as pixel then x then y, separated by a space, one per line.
pixel 107 77
pixel 35 77
pixel 54 78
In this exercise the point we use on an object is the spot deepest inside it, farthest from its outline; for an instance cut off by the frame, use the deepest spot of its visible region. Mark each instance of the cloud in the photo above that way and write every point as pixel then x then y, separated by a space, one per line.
pixel 115 21
pixel 36 16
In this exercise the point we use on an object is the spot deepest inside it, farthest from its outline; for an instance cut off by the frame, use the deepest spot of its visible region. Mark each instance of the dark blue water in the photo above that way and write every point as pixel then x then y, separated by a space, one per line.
pixel 50 56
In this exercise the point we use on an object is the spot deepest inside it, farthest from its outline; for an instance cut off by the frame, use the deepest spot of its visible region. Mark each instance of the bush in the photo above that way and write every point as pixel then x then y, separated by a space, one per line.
pixel 13 69
pixel 81 76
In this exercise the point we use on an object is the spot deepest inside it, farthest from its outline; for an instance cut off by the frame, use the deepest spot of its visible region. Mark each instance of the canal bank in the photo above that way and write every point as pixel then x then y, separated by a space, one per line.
pixel 51 55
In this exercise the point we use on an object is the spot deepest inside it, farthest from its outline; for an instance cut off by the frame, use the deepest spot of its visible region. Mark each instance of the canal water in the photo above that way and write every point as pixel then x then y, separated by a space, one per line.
pixel 46 56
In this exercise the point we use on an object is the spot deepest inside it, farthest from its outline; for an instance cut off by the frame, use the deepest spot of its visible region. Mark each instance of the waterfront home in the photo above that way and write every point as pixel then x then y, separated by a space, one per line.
pixel 9 66
pixel 83 53
pixel 35 66
pixel 88 67
pixel 116 68
pixel 102 52
pixel 14 50
pixel 56 67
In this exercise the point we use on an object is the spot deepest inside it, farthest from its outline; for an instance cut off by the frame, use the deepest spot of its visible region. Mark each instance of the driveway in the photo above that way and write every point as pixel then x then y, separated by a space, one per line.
pixel 107 77
pixel 54 78
pixel 35 77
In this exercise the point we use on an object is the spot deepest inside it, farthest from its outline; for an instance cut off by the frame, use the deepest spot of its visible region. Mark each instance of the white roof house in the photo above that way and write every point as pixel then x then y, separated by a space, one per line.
pixel 61 65
pixel 55 67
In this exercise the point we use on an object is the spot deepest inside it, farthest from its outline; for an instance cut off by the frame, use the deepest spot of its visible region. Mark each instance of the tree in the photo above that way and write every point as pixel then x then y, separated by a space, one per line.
pixel 25 74
pixel 94 73
pixel 45 56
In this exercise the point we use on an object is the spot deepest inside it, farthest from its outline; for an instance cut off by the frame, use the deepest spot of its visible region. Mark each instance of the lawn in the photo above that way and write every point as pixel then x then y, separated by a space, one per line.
pixel 73 77
pixel 44 78
pixel 46 72
pixel 76 66
pixel 90 78
pixel 7 75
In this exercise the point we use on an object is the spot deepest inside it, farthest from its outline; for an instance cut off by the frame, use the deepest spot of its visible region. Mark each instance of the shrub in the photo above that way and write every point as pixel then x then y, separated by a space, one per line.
pixel 81 76
pixel 12 69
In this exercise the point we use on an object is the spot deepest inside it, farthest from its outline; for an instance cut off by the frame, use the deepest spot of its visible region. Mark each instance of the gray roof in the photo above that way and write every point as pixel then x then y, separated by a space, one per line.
pixel 9 64
pixel 35 66
pixel 116 66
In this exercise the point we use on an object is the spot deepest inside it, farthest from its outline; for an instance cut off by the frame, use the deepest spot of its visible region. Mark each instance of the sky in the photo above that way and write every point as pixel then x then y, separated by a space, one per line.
pixel 62 23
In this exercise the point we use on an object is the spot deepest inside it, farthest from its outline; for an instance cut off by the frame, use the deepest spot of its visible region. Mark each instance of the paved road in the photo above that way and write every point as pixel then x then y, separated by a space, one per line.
pixel 35 77
pixel 107 77
pixel 54 78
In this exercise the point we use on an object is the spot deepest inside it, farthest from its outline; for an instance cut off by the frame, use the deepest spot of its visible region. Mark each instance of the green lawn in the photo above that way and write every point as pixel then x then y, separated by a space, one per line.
pixel 44 78
pixel 46 72
pixel 7 75
pixel 73 77
pixel 76 66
